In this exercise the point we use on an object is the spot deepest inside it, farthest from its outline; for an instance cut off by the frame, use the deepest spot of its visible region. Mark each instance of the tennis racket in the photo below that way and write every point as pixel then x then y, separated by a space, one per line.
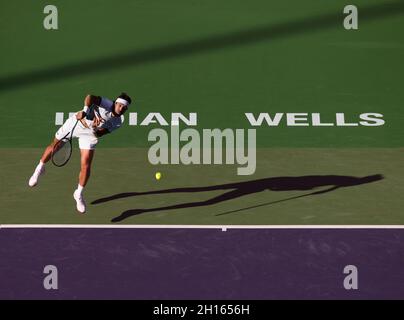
pixel 62 150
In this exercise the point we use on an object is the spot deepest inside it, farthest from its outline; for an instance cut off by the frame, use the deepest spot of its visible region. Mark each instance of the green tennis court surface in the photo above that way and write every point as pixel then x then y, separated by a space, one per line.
pixel 127 170
pixel 220 60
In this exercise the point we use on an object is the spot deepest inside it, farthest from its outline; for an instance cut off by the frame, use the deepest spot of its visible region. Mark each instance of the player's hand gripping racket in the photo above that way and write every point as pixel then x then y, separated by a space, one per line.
pixel 62 150
pixel 98 119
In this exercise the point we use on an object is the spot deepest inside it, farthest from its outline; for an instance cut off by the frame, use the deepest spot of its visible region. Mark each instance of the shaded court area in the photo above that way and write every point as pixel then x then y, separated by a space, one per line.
pixel 201 263
pixel 197 46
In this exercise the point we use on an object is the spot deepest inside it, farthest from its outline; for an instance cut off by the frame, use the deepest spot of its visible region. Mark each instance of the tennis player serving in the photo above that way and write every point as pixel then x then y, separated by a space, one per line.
pixel 99 116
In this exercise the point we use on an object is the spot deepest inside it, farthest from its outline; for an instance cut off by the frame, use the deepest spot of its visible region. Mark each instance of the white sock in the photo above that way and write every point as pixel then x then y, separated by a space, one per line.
pixel 80 189
pixel 40 165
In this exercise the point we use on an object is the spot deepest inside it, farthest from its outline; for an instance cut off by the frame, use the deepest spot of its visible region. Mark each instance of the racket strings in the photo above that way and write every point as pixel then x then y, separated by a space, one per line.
pixel 61 152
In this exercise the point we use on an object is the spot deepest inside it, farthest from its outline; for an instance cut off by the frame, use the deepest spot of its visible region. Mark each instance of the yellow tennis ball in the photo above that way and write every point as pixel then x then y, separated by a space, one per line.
pixel 158 175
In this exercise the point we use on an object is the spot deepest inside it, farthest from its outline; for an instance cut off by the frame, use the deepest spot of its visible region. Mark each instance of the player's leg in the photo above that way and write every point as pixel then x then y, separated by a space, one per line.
pixel 48 151
pixel 85 166
pixel 40 168
pixel 85 170
pixel 87 143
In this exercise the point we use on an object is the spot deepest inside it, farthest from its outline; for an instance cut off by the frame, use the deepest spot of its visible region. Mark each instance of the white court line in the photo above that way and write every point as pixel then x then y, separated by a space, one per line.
pixel 169 226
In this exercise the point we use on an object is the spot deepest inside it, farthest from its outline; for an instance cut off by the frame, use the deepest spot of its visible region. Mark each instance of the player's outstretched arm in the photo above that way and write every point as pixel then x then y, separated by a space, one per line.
pixel 91 99
pixel 80 115
pixel 88 101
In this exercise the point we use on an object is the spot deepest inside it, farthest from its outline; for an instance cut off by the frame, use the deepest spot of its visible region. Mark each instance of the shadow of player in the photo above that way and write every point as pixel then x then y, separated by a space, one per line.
pixel 244 188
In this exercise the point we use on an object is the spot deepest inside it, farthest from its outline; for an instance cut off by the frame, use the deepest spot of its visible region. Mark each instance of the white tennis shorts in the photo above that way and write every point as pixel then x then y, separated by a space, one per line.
pixel 87 139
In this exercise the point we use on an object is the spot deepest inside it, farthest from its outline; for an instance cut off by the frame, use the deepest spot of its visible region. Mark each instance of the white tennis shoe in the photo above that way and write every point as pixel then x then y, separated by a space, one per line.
pixel 39 171
pixel 80 203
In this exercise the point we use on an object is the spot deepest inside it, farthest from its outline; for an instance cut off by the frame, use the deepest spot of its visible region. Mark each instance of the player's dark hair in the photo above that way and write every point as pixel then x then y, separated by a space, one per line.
pixel 125 96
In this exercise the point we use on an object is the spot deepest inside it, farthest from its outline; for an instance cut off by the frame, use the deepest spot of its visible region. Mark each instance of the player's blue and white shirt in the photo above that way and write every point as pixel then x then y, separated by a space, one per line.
pixel 104 111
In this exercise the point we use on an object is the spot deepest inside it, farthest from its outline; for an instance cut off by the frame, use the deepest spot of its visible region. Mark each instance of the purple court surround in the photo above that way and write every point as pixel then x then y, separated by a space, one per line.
pixel 202 263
